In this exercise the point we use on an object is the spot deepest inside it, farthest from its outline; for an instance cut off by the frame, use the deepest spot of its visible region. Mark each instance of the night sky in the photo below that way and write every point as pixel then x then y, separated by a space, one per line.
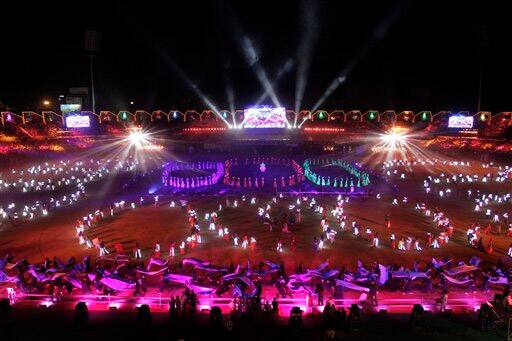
pixel 417 56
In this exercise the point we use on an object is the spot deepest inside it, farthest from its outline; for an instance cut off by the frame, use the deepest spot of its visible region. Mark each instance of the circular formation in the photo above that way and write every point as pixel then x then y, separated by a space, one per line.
pixel 356 177
pixel 185 175
pixel 259 172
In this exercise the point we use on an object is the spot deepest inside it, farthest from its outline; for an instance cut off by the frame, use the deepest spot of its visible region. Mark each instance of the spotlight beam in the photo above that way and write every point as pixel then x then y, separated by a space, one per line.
pixel 378 34
pixel 309 34
pixel 230 93
pixel 287 66
pixel 250 54
pixel 206 100
pixel 146 38
pixel 253 61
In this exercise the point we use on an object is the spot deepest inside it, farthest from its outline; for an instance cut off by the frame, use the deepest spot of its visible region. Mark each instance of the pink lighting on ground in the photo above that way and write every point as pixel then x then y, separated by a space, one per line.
pixel 143 301
pixel 304 309
pixel 114 305
pixel 46 304
pixel 390 303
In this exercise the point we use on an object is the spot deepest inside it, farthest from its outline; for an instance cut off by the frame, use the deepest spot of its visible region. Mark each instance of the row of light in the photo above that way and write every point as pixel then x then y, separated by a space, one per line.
pixel 308 129
pixel 63 173
pixel 200 130
pixel 323 129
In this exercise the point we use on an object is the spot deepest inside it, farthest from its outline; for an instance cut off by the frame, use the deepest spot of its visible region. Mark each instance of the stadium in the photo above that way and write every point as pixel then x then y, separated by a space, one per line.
pixel 120 219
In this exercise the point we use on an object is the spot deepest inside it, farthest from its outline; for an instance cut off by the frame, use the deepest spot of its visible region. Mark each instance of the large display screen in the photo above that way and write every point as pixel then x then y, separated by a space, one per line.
pixel 458 121
pixel 265 117
pixel 78 121
pixel 69 108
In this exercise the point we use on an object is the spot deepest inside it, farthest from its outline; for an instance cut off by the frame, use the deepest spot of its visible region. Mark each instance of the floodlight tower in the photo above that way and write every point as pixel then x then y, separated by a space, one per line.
pixel 91 46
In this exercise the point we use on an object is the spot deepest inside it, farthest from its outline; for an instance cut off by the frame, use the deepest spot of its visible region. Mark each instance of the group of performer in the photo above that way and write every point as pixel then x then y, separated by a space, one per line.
pixel 243 282
pixel 171 179
pixel 259 181
pixel 117 270
pixel 46 177
pixel 328 233
pixel 55 177
pixel 356 177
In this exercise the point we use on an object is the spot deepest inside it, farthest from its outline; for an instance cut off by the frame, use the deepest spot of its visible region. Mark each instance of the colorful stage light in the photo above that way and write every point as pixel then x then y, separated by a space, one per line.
pixel 138 138
pixel 394 137
pixel 46 304
pixel 323 130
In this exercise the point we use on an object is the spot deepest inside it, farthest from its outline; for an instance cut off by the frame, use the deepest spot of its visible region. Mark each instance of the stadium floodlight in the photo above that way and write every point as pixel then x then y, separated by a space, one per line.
pixel 398 139
pixel 138 138
pixel 393 139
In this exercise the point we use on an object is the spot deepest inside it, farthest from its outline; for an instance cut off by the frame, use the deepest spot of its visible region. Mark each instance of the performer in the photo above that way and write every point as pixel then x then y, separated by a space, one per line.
pixel 368 234
pixel 119 248
pixel 157 253
pixel 435 244
pixel 279 247
pixel 408 243
pixel 490 246
pixel 81 239
pixel 245 242
pixel 172 250
pixel 103 249
pixel 342 224
pixel 137 252
pixel 417 246
pixel 293 244
pixel 375 242
pixel 321 243
pixel 401 244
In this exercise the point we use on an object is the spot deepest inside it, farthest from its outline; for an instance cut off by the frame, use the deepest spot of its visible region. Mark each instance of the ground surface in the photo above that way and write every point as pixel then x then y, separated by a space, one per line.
pixel 55 235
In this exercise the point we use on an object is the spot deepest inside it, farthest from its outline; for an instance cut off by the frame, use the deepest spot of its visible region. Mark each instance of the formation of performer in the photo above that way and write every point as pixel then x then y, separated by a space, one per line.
pixel 259 181
pixel 186 182
pixel 122 278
